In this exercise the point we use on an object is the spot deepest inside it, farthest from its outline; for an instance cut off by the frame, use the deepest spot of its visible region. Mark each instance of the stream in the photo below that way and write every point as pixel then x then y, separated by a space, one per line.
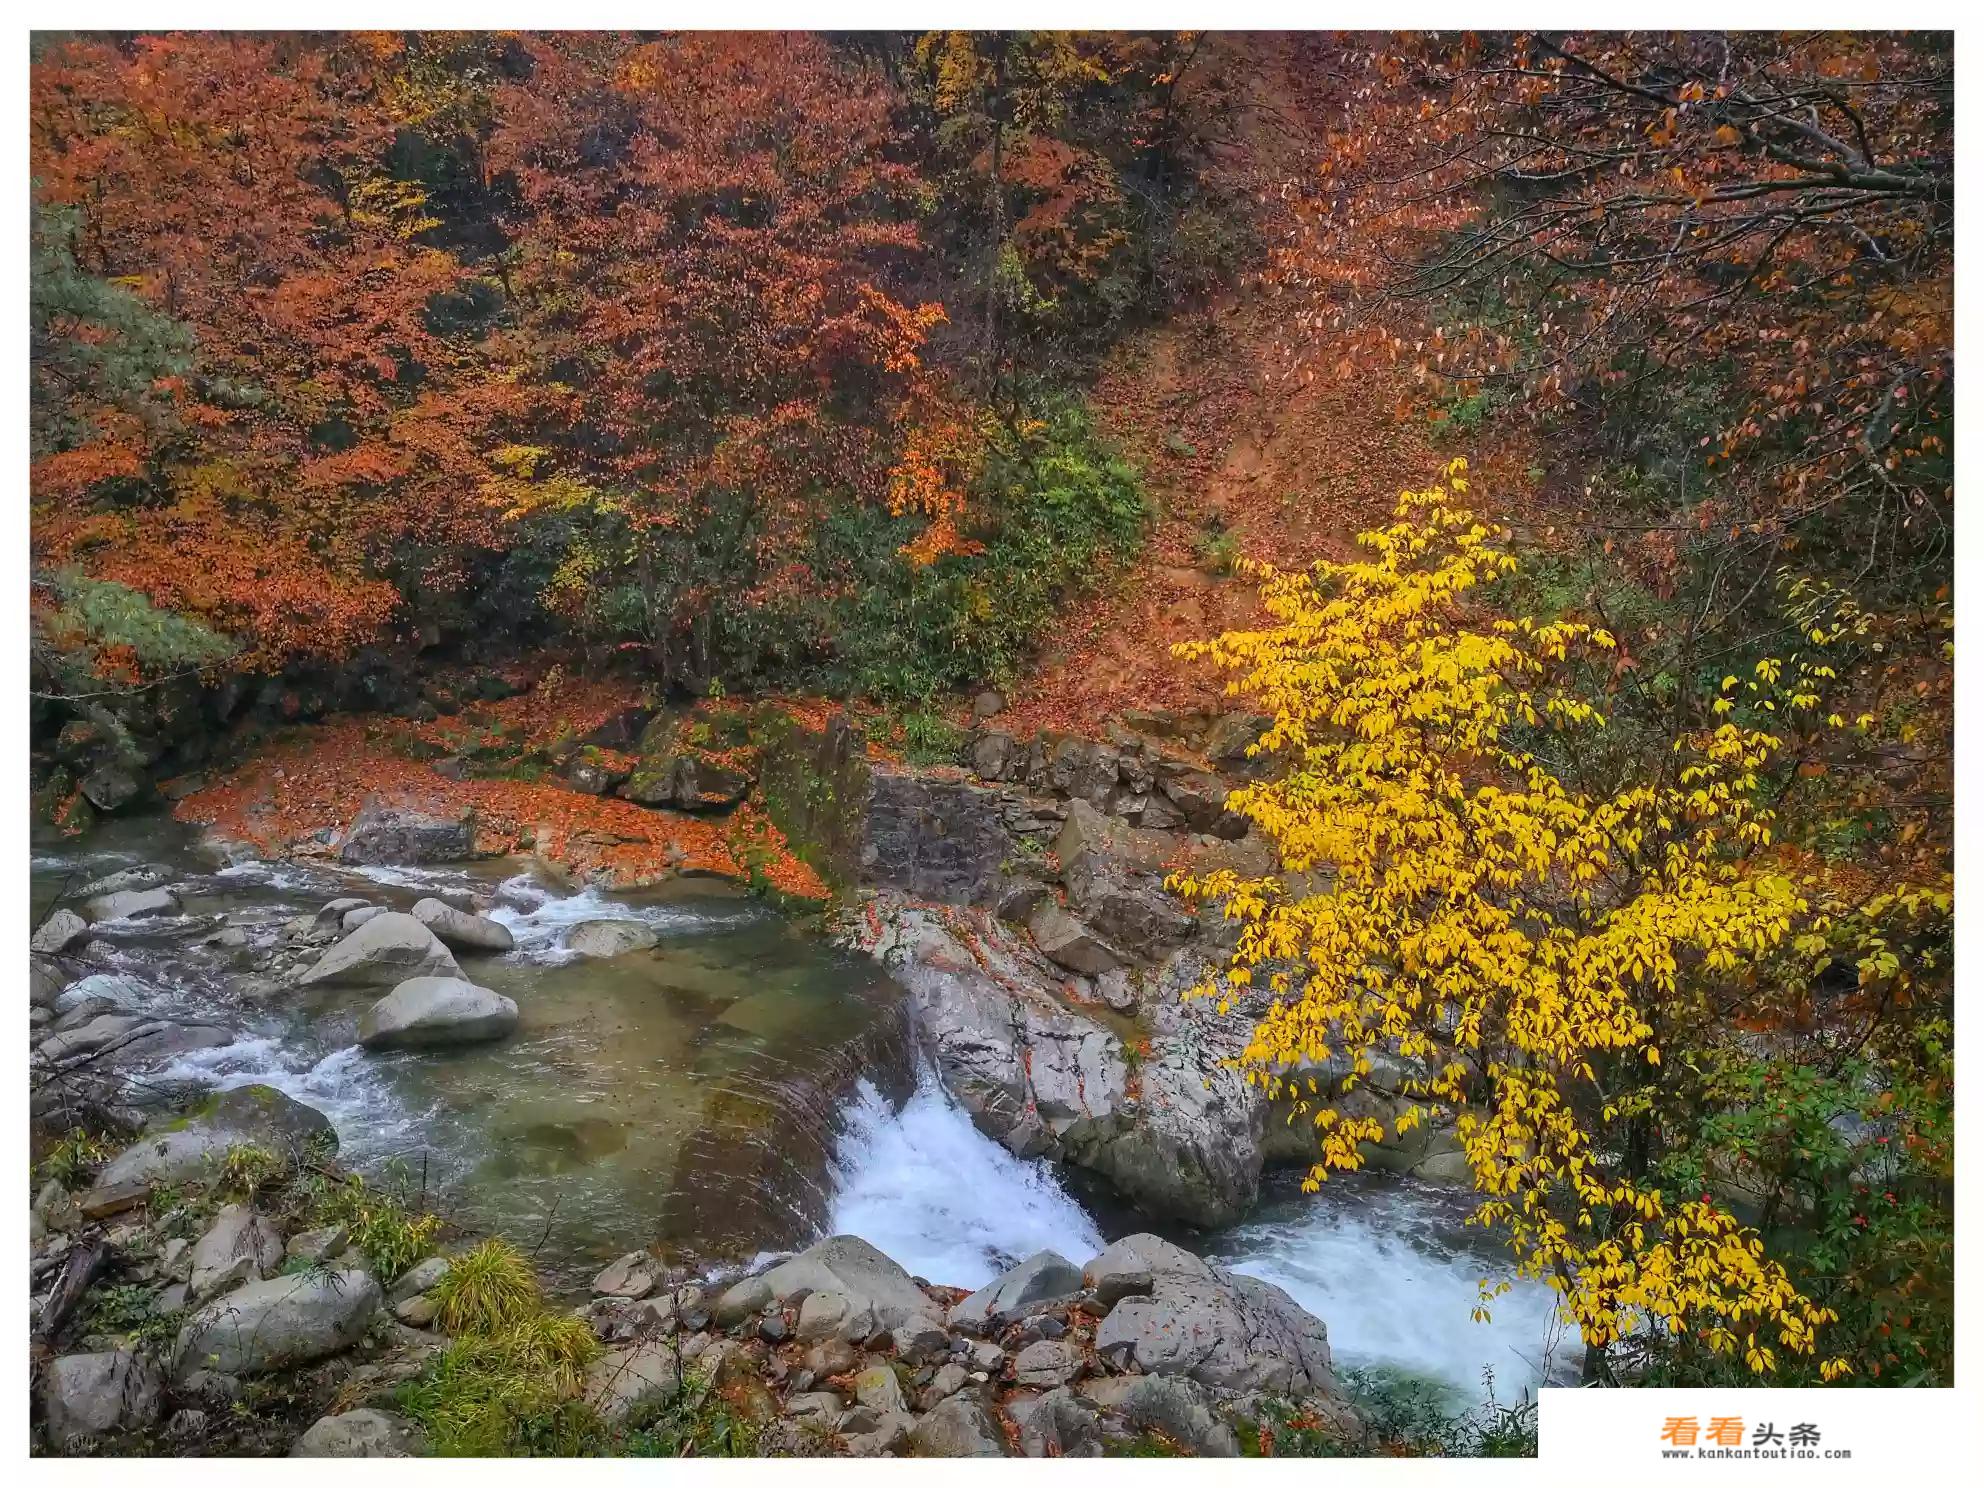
pixel 738 1091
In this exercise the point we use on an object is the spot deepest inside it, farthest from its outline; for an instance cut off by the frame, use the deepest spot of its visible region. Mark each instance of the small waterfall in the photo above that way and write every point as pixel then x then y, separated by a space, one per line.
pixel 926 1187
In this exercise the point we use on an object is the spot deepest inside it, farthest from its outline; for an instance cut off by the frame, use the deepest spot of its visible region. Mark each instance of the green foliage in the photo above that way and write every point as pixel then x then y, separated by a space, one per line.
pixel 695 1421
pixel 88 335
pixel 1407 1415
pixel 487 1290
pixel 133 1310
pixel 73 1160
pixel 244 1169
pixel 1055 509
pixel 513 1392
pixel 96 620
pixel 390 1234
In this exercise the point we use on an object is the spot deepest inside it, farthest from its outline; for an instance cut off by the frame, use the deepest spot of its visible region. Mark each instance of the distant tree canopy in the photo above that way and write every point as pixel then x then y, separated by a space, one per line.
pixel 335 333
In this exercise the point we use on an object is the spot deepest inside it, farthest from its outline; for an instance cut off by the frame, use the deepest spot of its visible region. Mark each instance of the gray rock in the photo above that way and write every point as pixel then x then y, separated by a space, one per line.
pixel 946 1382
pixel 132 904
pixel 331 916
pixel 318 1245
pixel 822 1405
pixel 397 835
pixel 103 989
pixel 417 1312
pixel 919 1341
pixel 831 1315
pixel 634 1275
pixel 1041 1277
pixel 888 1432
pixel 426 1012
pixel 461 931
pixel 91 1395
pixel 1046 1364
pixel 960 1426
pixel 47 978
pixel 60 931
pixel 1223 1329
pixel 187 1148
pixel 382 952
pixel 869 1281
pixel 1066 941
pixel 625 1319
pixel 985 1356
pixel 740 1301
pixel 608 938
pixel 361 1433
pixel 239 1246
pixel 122 881
pixel 831 1356
pixel 878 1388
pixel 1059 1424
pixel 421 1277
pixel 353 918
pixel 274 1324
pixel 1114 1279
pixel 112 786
pixel 621 1379
pixel 1180 1408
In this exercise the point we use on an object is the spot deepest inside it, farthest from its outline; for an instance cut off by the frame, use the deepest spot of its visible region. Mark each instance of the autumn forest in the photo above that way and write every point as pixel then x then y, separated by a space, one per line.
pixel 1402 582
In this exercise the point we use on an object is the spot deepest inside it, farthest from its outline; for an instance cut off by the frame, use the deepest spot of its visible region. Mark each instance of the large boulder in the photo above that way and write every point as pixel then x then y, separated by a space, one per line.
pixel 427 1012
pixel 113 785
pixel 188 1148
pixel 274 1324
pixel 461 931
pixel 1069 943
pixel 687 782
pixel 1059 1423
pixel 1034 1074
pixel 91 1395
pixel 1227 1331
pixel 398 834
pixel 945 840
pixel 880 1296
pixel 382 952
pixel 1041 1277
pixel 361 1433
pixel 605 939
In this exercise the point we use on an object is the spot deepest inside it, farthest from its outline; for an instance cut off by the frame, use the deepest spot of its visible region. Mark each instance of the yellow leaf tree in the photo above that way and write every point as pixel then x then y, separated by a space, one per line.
pixel 1544 942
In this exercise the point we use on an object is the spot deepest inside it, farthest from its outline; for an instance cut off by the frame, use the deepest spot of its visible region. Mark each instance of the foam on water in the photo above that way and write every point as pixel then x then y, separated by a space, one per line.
pixel 1375 1264
pixel 927 1188
pixel 541 920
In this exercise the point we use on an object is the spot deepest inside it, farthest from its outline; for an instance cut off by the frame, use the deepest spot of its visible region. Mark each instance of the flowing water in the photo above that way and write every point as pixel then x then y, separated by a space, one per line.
pixel 739 1090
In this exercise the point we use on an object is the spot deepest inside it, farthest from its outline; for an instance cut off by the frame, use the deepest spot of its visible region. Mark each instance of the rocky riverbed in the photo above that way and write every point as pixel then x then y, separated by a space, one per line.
pixel 986 1064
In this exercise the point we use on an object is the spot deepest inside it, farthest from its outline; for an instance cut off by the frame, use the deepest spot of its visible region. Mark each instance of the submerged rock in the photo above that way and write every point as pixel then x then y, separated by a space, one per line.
pixel 382 952
pixel 426 1012
pixel 608 938
pixel 132 904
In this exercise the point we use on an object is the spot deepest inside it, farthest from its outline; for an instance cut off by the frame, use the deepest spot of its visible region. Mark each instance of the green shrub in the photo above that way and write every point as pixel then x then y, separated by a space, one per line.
pixel 513 1392
pixel 695 1421
pixel 487 1290
pixel 382 1225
